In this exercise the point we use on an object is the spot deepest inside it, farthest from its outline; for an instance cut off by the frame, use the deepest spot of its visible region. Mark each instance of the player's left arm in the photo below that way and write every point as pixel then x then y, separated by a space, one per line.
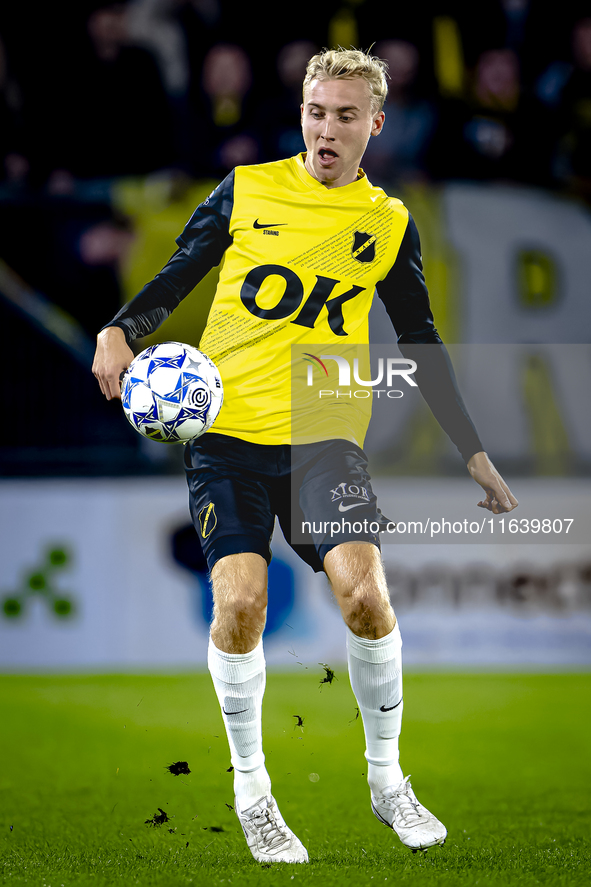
pixel 406 299
pixel 499 498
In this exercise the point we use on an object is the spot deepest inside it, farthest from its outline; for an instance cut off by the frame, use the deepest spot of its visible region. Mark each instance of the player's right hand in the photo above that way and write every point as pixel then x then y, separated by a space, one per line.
pixel 112 357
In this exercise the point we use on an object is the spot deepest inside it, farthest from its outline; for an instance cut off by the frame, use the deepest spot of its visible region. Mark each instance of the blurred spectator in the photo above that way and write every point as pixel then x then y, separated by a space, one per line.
pixel 494 134
pixel 226 132
pixel 398 155
pixel 524 26
pixel 154 25
pixel 278 114
pixel 113 117
pixel 497 84
pixel 227 78
pixel 409 22
pixel 515 13
pixel 491 24
pixel 106 244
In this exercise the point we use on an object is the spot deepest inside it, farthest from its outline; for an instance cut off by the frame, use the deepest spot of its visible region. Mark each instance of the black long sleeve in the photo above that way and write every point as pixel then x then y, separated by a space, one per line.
pixel 406 299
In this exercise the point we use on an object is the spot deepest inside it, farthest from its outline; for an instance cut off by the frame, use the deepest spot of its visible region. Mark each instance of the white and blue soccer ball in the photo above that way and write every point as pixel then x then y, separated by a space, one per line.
pixel 172 392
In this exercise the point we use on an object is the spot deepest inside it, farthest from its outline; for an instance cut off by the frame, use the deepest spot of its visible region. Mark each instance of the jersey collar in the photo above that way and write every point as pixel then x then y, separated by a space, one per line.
pixel 328 195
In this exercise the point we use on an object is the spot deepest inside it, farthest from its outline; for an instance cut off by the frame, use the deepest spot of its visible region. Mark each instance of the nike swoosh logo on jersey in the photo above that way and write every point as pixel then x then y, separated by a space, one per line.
pixel 258 225
pixel 392 707
pixel 349 507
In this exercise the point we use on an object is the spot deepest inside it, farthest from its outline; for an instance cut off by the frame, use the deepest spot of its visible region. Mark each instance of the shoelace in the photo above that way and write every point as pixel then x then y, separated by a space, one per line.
pixel 405 803
pixel 272 834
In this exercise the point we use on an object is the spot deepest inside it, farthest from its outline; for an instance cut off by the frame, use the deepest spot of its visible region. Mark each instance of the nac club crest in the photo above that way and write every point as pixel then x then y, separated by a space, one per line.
pixel 364 246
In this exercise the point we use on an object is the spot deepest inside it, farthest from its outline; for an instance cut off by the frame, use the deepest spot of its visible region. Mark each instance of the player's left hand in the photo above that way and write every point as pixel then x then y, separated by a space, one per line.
pixel 499 497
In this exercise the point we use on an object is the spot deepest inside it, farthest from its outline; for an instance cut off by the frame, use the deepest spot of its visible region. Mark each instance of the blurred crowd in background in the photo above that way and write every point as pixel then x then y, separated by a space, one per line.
pixel 181 91
pixel 499 89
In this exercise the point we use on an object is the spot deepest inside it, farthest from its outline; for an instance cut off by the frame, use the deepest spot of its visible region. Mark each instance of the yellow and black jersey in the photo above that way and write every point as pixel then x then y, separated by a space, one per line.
pixel 299 267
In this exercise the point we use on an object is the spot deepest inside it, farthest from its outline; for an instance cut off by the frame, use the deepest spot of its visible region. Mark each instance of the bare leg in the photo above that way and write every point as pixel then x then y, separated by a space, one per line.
pixel 240 602
pixel 359 584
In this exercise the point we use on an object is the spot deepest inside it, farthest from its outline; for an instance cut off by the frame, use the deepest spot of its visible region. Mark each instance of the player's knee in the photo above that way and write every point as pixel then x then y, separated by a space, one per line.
pixel 240 605
pixel 353 564
pixel 238 622
pixel 369 613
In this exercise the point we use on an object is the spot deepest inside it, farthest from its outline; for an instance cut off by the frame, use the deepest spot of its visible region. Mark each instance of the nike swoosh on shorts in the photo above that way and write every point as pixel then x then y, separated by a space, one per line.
pixel 348 507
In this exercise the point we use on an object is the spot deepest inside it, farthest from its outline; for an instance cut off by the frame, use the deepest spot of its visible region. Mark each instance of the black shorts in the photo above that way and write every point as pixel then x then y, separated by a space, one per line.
pixel 321 494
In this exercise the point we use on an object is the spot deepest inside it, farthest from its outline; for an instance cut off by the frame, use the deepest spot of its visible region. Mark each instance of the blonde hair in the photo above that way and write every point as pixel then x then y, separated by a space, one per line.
pixel 332 64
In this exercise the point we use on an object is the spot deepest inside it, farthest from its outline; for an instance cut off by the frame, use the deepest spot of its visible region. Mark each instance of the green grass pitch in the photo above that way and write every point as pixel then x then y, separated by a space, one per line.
pixel 504 760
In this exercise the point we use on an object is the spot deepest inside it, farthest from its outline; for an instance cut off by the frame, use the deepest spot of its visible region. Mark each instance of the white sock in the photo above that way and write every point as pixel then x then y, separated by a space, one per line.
pixel 375 671
pixel 239 681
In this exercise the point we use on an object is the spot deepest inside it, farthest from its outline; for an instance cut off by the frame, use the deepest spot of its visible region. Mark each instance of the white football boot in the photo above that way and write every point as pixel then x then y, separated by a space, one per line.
pixel 267 835
pixel 397 807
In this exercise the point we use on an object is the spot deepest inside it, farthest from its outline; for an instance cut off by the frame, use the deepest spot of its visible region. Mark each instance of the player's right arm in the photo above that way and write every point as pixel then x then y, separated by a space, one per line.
pixel 202 245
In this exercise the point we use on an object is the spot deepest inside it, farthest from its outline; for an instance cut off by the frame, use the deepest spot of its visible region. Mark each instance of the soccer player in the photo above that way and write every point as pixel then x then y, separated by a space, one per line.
pixel 303 244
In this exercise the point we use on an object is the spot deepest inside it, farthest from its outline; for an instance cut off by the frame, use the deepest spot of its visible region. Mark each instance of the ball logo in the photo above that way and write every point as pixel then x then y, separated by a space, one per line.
pixel 199 397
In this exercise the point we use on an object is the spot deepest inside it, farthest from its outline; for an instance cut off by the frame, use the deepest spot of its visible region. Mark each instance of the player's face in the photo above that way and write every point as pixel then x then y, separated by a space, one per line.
pixel 337 122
